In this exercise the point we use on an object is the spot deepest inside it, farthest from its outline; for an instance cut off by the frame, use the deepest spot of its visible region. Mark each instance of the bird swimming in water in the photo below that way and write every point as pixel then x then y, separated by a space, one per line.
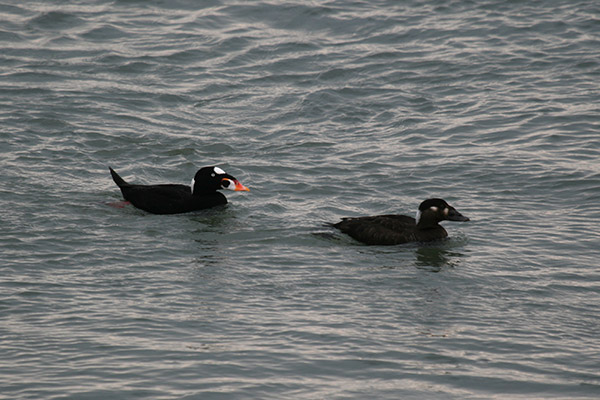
pixel 174 198
pixel 397 229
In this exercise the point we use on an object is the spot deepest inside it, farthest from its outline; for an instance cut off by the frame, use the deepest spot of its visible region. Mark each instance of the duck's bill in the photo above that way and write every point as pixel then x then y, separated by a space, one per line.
pixel 233 184
pixel 454 215
pixel 239 187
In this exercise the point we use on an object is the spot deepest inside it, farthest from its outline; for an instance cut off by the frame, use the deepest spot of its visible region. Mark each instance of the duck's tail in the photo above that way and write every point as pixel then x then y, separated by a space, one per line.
pixel 118 180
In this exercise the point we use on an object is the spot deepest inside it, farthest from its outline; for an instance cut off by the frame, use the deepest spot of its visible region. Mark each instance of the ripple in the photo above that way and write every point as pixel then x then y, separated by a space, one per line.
pixel 56 20
pixel 103 33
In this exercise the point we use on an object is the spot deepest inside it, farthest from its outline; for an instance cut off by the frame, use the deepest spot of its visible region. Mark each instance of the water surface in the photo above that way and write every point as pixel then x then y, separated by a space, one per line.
pixel 324 110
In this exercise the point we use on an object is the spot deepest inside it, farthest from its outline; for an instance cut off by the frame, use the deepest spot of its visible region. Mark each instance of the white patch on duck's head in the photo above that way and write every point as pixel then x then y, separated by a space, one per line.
pixel 217 171
pixel 446 211
pixel 432 208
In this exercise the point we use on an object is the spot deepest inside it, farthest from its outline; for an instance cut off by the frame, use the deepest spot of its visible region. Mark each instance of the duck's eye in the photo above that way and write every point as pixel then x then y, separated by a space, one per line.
pixel 226 183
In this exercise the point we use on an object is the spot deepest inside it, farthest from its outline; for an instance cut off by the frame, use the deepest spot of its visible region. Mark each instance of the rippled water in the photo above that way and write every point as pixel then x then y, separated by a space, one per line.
pixel 324 109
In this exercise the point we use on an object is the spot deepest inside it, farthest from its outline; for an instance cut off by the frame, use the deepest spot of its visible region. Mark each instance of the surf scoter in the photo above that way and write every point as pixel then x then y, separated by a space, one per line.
pixel 397 229
pixel 174 199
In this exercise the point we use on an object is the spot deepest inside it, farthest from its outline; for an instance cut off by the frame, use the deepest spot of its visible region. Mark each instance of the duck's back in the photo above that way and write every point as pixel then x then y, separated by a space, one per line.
pixel 388 230
pixel 379 229
pixel 169 198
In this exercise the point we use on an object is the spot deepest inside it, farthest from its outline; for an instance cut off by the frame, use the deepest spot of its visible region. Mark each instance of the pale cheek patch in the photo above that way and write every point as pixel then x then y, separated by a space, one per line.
pixel 433 208
pixel 446 211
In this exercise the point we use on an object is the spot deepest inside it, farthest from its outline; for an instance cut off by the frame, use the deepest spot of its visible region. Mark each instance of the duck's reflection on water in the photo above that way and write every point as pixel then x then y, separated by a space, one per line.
pixel 434 259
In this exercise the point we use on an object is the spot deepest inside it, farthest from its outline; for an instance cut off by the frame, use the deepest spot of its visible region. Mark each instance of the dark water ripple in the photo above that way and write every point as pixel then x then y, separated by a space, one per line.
pixel 325 110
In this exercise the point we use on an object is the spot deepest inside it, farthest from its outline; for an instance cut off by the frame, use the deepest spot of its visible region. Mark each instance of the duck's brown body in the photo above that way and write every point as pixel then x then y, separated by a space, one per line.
pixel 398 229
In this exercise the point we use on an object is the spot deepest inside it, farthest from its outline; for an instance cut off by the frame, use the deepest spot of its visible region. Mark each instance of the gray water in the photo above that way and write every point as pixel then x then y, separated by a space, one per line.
pixel 324 109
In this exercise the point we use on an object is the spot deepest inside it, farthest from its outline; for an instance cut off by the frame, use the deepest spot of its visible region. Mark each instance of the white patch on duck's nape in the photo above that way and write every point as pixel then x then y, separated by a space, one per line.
pixel 193 184
pixel 420 214
pixel 218 171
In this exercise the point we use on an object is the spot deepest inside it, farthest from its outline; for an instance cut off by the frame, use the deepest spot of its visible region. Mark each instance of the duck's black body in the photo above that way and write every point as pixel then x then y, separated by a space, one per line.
pixel 174 199
pixel 398 229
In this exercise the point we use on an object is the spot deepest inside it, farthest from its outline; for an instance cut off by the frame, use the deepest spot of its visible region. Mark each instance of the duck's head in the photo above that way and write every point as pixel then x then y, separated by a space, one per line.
pixel 432 211
pixel 210 179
